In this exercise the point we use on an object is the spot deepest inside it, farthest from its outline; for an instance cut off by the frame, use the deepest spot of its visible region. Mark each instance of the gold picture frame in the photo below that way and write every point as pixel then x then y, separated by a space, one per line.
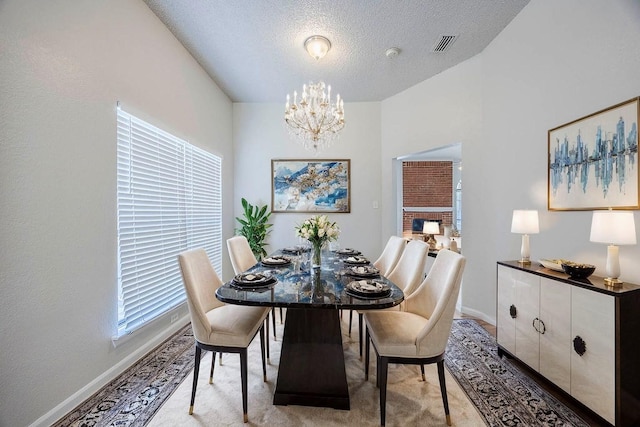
pixel 593 161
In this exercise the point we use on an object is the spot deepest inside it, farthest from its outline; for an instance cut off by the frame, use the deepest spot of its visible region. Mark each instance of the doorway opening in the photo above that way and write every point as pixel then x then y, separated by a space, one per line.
pixel 429 188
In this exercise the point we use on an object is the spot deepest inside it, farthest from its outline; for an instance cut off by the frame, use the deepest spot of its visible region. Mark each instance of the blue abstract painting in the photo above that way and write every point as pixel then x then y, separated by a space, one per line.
pixel 310 186
pixel 593 161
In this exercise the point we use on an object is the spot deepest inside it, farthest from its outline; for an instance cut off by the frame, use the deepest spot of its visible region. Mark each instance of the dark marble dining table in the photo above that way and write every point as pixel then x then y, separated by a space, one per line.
pixel 311 371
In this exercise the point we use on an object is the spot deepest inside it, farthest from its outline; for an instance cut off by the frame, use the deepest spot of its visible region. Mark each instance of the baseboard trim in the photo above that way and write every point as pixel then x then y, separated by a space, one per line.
pixel 87 391
pixel 477 314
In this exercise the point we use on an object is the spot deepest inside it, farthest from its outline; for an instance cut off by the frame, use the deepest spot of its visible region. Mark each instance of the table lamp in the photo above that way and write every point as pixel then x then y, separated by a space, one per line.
pixel 430 228
pixel 614 228
pixel 525 222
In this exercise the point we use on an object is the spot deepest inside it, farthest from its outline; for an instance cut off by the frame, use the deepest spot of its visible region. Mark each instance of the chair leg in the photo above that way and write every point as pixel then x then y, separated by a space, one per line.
pixel 267 342
pixel 264 364
pixel 384 365
pixel 243 375
pixel 377 370
pixel 213 363
pixel 366 356
pixel 281 315
pixel 350 320
pixel 422 370
pixel 273 317
pixel 443 390
pixel 360 333
pixel 196 369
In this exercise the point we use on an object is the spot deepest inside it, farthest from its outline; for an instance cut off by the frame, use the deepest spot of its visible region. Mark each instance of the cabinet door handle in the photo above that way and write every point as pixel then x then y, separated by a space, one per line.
pixel 544 328
pixel 579 345
pixel 513 312
pixel 535 324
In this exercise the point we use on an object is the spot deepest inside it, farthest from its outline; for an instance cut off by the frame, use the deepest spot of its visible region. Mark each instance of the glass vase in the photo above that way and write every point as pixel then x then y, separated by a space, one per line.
pixel 316 256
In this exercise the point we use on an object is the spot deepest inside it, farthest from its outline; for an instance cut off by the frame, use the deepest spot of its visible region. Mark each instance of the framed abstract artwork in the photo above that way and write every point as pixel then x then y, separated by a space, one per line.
pixel 593 161
pixel 319 185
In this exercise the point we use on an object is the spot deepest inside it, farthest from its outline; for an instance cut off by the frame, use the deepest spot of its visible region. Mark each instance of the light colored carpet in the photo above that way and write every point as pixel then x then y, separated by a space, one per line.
pixel 410 401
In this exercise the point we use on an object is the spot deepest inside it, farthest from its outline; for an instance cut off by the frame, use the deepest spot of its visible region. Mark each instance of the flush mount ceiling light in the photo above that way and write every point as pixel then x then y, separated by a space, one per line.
pixel 317 46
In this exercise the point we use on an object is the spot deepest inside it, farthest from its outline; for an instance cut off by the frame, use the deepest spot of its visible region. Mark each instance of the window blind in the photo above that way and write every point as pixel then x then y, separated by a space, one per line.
pixel 169 201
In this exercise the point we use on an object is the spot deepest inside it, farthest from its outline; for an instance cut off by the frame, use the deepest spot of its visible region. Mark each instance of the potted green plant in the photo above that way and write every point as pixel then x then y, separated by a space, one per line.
pixel 254 227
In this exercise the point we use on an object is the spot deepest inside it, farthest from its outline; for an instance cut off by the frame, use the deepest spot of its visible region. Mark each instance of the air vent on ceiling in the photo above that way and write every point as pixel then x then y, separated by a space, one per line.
pixel 443 43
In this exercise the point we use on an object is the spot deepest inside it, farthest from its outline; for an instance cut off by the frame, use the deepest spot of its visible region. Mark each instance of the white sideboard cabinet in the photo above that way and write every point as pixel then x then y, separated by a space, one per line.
pixel 579 334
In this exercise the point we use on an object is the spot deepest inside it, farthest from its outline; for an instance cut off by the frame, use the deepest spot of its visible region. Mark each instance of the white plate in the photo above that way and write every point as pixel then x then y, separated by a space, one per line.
pixel 547 263
pixel 276 260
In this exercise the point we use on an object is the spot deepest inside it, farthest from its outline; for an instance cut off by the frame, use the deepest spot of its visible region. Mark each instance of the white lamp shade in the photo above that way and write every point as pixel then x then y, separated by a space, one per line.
pixel 613 227
pixel 431 227
pixel 525 222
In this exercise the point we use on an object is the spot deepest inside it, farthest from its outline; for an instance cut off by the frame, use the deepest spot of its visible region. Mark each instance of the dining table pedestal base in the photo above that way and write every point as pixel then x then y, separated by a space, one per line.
pixel 312 370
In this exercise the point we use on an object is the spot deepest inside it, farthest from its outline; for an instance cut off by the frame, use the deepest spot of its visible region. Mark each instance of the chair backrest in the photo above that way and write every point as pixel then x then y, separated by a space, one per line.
pixel 240 253
pixel 435 299
pixel 407 273
pixel 200 283
pixel 390 255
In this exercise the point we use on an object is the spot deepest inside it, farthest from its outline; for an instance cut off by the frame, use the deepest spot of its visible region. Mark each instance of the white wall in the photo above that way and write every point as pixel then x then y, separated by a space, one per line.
pixel 555 62
pixel 260 135
pixel 443 110
pixel 63 66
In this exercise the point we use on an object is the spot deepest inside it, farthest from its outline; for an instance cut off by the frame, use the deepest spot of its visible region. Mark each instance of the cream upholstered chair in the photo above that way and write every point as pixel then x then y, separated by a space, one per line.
pixel 407 273
pixel 218 327
pixel 385 264
pixel 242 259
pixel 390 255
pixel 418 335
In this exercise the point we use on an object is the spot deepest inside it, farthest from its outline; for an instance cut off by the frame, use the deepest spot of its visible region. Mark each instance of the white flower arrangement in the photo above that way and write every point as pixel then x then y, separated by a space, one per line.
pixel 318 230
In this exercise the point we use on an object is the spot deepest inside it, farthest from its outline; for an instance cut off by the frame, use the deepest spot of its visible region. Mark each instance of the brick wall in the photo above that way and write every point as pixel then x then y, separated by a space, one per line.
pixel 425 185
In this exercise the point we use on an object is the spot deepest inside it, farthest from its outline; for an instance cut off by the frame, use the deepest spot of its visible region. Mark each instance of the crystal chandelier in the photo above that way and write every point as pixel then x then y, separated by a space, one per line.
pixel 315 120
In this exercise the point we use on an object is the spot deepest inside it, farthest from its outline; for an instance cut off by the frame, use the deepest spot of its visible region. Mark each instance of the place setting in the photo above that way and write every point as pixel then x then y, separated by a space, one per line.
pixel 253 281
pixel 347 252
pixel 368 289
pixel 275 261
pixel 355 260
pixel 362 271
pixel 296 250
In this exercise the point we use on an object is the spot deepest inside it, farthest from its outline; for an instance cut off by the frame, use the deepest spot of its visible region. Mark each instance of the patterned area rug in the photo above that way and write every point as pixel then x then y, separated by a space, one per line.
pixel 134 396
pixel 500 392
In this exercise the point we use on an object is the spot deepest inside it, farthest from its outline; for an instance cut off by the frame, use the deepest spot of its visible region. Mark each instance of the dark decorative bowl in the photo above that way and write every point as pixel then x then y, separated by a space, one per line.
pixel 578 271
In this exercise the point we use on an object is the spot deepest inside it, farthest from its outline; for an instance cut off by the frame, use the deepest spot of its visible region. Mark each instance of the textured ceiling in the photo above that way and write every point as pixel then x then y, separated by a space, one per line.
pixel 254 50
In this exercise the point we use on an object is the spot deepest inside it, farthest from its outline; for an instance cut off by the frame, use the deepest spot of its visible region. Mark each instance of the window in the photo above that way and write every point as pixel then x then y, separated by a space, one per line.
pixel 169 200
